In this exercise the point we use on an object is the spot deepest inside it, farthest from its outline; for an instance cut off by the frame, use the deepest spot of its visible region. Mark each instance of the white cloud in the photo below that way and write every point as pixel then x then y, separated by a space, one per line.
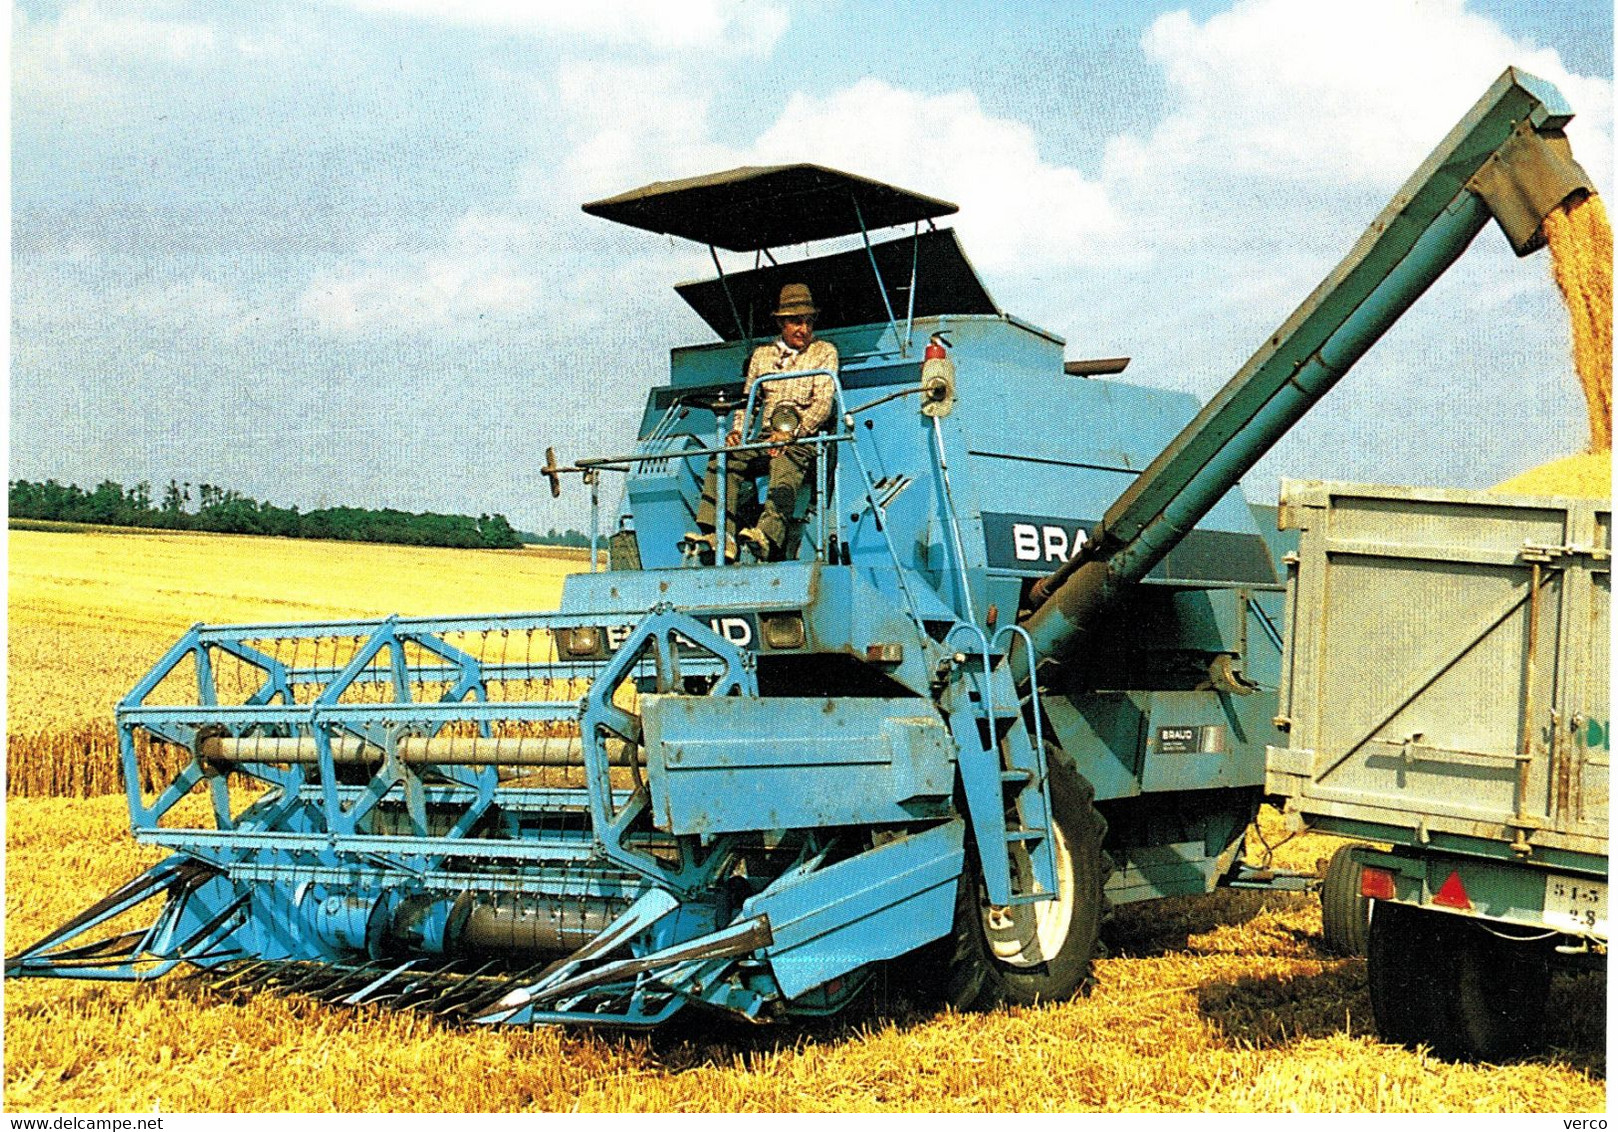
pixel 630 123
pixel 104 61
pixel 1282 116
pixel 1289 124
pixel 1020 207
pixel 198 304
pixel 477 275
pixel 1016 206
pixel 86 52
pixel 659 25
pixel 1286 126
pixel 1342 92
pixel 525 257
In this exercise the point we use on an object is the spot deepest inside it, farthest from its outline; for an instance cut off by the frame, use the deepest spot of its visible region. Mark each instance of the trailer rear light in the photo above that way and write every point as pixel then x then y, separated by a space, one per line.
pixel 783 630
pixel 1453 894
pixel 1376 884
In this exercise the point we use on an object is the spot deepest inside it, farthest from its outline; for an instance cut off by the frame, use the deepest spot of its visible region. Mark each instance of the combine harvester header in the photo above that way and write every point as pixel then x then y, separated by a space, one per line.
pixel 749 786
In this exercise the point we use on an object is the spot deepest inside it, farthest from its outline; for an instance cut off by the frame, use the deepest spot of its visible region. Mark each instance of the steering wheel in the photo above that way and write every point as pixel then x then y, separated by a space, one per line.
pixel 718 401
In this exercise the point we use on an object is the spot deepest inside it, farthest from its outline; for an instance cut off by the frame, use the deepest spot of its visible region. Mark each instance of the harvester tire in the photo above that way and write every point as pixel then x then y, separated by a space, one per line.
pixel 1345 915
pixel 1448 983
pixel 990 969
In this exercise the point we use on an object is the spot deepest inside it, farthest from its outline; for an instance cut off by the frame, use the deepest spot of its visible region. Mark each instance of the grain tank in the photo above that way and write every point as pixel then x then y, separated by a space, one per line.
pixel 1019 662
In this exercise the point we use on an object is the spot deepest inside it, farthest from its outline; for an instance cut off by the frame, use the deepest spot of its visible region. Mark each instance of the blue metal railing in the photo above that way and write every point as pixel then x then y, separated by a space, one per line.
pixel 829 504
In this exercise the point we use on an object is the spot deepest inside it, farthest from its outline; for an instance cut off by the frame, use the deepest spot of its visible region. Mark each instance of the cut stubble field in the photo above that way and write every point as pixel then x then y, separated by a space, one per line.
pixel 1223 1003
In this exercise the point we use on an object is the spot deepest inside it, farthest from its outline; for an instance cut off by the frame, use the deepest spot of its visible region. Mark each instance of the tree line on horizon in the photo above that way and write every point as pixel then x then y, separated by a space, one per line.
pixel 223 511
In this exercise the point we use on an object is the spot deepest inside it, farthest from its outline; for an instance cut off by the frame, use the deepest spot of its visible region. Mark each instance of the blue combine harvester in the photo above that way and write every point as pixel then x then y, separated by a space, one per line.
pixel 1020 662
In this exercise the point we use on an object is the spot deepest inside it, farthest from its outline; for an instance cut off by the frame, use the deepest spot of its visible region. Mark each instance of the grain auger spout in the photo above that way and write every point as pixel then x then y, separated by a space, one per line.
pixel 1508 158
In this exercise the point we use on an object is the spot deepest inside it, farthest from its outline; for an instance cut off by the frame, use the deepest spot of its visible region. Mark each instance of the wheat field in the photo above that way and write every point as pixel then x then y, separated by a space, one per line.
pixel 90 612
pixel 1223 1003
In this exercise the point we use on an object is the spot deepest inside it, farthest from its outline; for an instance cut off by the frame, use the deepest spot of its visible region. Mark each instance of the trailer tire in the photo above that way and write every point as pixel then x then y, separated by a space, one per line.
pixel 1447 982
pixel 1345 915
pixel 1009 967
pixel 1499 990
pixel 1399 974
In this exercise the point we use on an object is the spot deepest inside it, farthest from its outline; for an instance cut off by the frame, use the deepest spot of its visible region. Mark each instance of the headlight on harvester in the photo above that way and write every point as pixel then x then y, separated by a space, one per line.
pixel 583 640
pixel 782 630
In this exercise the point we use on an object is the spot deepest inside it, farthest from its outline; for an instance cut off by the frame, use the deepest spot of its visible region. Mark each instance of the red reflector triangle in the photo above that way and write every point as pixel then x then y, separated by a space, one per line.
pixel 1453 894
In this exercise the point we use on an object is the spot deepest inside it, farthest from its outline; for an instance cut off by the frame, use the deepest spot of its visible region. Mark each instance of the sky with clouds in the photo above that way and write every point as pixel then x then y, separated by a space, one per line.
pixel 331 252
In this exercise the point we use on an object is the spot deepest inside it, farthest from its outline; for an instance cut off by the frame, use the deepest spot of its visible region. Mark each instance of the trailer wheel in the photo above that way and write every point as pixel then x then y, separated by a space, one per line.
pixel 1035 952
pixel 1447 982
pixel 1400 974
pixel 1345 915
pixel 1500 988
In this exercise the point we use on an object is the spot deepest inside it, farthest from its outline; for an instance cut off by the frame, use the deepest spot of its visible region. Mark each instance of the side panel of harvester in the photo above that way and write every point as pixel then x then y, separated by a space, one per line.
pixel 1168 713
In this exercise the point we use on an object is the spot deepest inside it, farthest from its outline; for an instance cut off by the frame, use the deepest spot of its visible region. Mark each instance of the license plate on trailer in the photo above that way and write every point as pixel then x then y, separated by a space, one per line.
pixel 1576 905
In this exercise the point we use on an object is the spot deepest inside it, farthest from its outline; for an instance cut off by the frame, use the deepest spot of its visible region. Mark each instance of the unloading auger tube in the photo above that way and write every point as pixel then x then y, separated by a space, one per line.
pixel 1507 158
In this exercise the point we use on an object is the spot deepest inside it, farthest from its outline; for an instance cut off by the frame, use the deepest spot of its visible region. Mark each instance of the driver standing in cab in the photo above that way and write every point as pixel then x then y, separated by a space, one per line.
pixel 790 409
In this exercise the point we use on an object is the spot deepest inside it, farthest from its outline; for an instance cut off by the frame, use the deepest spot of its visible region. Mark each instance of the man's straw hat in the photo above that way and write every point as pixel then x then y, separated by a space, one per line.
pixel 796 301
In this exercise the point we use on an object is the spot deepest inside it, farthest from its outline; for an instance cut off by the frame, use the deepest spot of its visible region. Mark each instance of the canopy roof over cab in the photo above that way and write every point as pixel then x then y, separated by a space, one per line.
pixel 767 206
pixel 846 289
pixel 764 206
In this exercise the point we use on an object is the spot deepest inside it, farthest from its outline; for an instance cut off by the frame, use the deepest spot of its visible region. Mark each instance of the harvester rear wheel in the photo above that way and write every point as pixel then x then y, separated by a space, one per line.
pixel 1345 915
pixel 1035 952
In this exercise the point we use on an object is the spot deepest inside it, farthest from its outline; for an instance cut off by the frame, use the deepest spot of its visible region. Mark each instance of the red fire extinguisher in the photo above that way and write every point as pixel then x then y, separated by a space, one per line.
pixel 937 379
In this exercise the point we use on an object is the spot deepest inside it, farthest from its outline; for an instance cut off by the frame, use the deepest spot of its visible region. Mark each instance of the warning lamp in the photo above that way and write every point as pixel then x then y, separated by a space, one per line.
pixel 1376 884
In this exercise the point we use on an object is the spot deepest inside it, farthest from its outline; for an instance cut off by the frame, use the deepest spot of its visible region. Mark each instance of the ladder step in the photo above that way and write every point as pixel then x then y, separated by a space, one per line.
pixel 1025 835
pixel 1017 776
pixel 1029 898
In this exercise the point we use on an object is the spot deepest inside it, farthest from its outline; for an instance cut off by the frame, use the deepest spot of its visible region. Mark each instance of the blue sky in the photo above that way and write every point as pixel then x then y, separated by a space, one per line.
pixel 331 252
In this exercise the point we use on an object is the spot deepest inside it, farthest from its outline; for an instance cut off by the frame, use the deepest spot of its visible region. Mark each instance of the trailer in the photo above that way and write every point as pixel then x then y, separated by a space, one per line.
pixel 1445 693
